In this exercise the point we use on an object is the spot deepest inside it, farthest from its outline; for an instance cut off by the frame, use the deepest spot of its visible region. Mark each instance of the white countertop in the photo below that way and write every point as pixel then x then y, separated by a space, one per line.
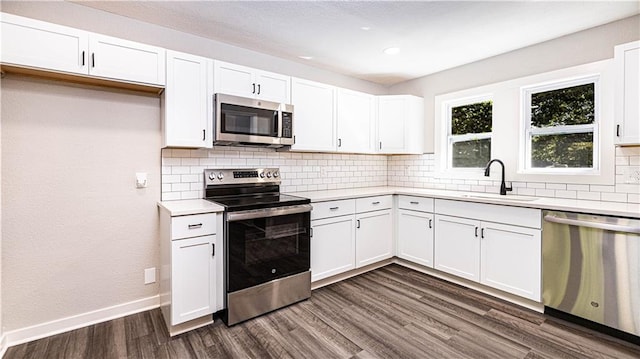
pixel 559 204
pixel 189 206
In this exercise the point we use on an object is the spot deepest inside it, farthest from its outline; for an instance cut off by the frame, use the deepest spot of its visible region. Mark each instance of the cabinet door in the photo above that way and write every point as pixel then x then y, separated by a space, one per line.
pixel 314 125
pixel 457 247
pixel 193 278
pixel 333 246
pixel 273 87
pixel 188 101
pixel 126 60
pixel 32 43
pixel 392 118
pixel 233 79
pixel 355 115
pixel 374 237
pixel 627 58
pixel 511 259
pixel 415 237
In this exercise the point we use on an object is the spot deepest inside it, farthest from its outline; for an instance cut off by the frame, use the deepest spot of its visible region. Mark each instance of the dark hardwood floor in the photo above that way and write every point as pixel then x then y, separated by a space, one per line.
pixel 392 312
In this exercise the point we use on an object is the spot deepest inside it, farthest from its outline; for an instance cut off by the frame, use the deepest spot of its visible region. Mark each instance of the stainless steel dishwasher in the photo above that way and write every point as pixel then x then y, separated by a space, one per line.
pixel 591 269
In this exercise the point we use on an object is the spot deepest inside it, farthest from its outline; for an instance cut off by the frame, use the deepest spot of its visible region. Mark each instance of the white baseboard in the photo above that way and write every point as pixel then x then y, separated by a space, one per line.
pixel 3 345
pixel 62 325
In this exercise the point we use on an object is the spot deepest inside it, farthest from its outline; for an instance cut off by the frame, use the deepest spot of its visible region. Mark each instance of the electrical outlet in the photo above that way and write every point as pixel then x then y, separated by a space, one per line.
pixel 323 172
pixel 632 175
pixel 150 275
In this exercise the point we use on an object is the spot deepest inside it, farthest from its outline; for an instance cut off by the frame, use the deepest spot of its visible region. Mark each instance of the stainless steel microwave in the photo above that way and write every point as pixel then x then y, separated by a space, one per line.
pixel 246 121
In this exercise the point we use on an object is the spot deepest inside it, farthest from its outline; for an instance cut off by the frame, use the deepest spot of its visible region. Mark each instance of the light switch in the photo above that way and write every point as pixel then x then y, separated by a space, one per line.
pixel 150 275
pixel 141 179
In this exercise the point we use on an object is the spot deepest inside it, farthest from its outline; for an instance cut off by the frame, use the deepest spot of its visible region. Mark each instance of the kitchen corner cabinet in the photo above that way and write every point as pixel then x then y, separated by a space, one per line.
pixel 315 122
pixel 400 124
pixel 471 243
pixel 355 113
pixel 415 230
pixel 244 81
pixel 627 93
pixel 190 256
pixel 187 102
pixel 42 45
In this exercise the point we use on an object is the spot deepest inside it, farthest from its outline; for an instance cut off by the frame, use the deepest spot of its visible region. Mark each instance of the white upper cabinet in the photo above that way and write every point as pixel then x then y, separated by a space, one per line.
pixel 38 44
pixel 188 101
pixel 627 93
pixel 400 124
pixel 314 114
pixel 232 79
pixel 126 60
pixel 355 121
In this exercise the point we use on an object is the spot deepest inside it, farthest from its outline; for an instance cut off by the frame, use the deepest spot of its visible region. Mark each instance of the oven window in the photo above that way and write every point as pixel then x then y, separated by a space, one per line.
pixel 249 121
pixel 263 249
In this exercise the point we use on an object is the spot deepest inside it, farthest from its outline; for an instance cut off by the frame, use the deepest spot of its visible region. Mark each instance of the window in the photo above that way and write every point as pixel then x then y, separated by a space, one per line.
pixel 561 126
pixel 469 133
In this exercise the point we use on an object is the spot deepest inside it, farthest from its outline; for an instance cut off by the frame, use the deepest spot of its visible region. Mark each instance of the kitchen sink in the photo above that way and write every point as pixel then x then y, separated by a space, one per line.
pixel 500 197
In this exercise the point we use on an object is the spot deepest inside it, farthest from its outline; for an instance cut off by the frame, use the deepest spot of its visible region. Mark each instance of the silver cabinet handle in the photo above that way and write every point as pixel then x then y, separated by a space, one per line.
pixel 195 226
pixel 376 202
pixel 596 225
pixel 333 208
pixel 414 202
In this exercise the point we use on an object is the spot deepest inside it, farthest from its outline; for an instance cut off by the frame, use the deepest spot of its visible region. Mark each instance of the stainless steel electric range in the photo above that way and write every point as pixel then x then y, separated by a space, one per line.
pixel 267 241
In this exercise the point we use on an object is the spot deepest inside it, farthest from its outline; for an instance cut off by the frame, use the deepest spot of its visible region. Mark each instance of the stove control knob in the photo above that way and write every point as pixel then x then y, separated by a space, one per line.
pixel 220 176
pixel 276 174
pixel 268 174
pixel 261 174
pixel 212 176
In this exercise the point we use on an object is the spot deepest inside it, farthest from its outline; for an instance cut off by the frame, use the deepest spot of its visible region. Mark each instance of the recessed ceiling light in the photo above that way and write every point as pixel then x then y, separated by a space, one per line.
pixel 391 51
pixel 306 57
pixel 365 28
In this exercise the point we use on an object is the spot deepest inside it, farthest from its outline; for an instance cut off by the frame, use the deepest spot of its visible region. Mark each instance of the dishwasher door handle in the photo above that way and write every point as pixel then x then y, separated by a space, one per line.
pixel 596 225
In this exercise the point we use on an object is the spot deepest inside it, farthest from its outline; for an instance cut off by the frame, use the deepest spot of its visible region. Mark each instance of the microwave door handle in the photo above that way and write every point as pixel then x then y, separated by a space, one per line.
pixel 279 124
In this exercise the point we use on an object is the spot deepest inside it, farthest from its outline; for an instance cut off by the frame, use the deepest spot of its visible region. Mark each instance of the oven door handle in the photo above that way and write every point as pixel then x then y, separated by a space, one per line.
pixel 268 212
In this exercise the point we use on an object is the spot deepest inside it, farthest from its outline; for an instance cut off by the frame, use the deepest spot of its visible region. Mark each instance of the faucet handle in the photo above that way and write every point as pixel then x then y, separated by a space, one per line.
pixel 509 188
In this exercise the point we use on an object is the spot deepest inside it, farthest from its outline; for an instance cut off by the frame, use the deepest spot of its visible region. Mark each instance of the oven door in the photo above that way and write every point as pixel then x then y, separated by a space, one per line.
pixel 267 244
pixel 244 120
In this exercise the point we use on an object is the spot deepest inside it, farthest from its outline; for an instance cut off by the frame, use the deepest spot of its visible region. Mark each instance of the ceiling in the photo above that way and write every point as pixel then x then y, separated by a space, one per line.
pixel 349 37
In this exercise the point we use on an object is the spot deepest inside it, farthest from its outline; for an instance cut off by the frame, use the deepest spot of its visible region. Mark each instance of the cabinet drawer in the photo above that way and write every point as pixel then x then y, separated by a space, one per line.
pixel 369 204
pixel 333 209
pixel 416 203
pixel 193 226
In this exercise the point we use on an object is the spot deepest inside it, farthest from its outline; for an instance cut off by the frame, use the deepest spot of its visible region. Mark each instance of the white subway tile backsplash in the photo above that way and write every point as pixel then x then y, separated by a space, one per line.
pixel 182 173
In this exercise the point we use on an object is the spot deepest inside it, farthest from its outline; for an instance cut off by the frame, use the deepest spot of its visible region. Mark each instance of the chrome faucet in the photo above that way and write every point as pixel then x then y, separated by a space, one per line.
pixel 503 186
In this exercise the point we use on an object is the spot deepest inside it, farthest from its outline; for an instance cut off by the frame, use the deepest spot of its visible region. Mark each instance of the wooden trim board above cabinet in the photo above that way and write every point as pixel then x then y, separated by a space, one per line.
pixel 80 79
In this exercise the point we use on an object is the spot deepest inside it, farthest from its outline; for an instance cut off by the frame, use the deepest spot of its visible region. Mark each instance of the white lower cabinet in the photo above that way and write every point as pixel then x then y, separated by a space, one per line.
pixel 503 256
pixel 333 246
pixel 191 252
pixel 457 247
pixel 415 237
pixel 349 234
pixel 193 278
pixel 374 237
pixel 511 259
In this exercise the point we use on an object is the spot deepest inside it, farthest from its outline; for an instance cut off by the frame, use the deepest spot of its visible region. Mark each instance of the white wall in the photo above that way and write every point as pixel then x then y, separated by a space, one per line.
pixel 77 234
pixel 579 48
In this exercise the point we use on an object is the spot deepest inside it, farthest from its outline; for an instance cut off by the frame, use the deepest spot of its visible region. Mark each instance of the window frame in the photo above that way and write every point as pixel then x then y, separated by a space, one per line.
pixel 451 139
pixel 529 131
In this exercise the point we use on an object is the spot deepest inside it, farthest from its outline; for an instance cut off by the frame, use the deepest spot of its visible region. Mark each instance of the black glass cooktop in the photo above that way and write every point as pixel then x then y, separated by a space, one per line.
pixel 257 201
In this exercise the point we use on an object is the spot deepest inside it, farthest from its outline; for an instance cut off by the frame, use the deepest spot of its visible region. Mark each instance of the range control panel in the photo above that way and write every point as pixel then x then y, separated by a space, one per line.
pixel 241 175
